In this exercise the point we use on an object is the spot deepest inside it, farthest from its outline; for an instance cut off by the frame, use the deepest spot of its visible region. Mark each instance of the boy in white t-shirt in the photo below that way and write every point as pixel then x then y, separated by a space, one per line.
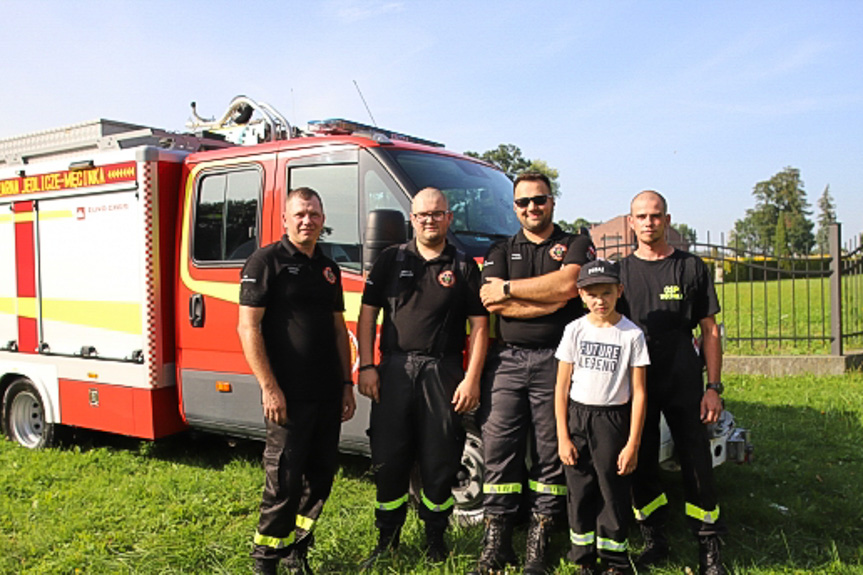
pixel 599 406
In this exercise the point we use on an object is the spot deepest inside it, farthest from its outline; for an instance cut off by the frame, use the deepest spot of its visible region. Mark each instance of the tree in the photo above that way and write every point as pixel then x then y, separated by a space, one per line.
pixel 574 227
pixel 826 216
pixel 689 235
pixel 510 160
pixel 781 194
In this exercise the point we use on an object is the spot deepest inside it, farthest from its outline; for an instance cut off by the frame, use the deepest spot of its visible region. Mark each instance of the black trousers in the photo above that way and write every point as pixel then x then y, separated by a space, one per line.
pixel 300 461
pixel 598 501
pixel 674 389
pixel 415 422
pixel 517 418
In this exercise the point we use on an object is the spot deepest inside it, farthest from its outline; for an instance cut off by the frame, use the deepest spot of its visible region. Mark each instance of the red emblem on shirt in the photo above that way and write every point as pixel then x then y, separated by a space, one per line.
pixel 328 273
pixel 557 252
pixel 446 278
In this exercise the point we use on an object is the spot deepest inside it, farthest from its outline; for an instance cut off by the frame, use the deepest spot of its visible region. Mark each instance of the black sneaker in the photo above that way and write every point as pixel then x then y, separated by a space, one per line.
pixel 710 556
pixel 388 540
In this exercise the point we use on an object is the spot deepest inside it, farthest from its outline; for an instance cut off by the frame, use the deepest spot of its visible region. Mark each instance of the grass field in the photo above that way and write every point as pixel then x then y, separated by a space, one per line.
pixel 775 312
pixel 188 504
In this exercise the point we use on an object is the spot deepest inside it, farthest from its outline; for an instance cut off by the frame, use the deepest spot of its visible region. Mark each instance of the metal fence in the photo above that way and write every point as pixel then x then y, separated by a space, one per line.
pixel 809 304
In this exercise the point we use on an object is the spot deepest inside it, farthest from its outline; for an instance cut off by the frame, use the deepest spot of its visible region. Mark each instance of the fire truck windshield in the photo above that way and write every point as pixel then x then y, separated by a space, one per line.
pixel 479 197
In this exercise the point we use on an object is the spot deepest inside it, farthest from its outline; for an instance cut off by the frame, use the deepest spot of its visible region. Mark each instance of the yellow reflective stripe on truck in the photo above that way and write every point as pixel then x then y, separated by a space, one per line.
pixel 111 315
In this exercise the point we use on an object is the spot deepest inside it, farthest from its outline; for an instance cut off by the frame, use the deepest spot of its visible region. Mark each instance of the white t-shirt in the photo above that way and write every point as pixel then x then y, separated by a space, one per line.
pixel 602 358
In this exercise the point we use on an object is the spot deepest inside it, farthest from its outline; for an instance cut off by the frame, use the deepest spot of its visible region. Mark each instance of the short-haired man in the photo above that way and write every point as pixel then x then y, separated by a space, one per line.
pixel 668 293
pixel 428 291
pixel 531 286
pixel 293 333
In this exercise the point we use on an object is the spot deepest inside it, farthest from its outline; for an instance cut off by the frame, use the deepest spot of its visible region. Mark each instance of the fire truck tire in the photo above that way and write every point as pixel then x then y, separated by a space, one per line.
pixel 467 491
pixel 24 416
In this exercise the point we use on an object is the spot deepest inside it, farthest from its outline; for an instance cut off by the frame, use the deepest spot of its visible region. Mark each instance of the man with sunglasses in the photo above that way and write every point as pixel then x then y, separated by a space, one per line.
pixel 530 283
pixel 429 291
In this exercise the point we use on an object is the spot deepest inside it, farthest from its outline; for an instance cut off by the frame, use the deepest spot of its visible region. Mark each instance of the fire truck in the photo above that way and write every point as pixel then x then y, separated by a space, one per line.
pixel 120 254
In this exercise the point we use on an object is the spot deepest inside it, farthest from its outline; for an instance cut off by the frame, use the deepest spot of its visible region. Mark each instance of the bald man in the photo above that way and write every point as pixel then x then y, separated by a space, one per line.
pixel 668 293
pixel 428 291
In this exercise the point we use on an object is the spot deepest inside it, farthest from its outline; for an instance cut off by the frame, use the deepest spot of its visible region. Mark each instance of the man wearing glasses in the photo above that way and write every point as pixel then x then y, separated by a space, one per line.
pixel 429 291
pixel 530 283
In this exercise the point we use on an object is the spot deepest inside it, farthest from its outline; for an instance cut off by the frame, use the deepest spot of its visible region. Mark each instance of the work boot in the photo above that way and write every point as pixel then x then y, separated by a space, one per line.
pixel 538 534
pixel 436 549
pixel 655 547
pixel 297 560
pixel 497 551
pixel 266 566
pixel 709 556
pixel 388 540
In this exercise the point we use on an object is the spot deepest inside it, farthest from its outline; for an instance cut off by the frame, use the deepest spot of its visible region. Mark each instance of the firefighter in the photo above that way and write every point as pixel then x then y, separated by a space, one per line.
pixel 668 293
pixel 427 290
pixel 530 282
pixel 293 333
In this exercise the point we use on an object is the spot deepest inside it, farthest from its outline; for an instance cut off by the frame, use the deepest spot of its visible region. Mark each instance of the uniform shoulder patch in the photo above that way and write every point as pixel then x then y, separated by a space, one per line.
pixel 330 275
pixel 557 252
pixel 446 278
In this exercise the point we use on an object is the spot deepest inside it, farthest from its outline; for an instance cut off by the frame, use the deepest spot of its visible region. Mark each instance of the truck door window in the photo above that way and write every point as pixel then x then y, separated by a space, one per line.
pixel 338 186
pixel 226 216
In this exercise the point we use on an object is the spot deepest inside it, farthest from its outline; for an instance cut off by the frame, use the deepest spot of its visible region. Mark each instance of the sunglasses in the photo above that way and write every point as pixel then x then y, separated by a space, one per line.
pixel 537 201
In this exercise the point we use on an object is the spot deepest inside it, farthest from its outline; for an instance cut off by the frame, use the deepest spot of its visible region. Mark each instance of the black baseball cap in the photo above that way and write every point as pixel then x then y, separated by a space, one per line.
pixel 598 272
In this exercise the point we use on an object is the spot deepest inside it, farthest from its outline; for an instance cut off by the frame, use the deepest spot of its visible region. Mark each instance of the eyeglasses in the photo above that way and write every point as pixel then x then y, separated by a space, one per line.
pixel 537 200
pixel 436 216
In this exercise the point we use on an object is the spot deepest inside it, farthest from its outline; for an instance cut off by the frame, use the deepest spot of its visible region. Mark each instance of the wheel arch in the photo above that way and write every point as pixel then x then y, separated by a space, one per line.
pixel 37 380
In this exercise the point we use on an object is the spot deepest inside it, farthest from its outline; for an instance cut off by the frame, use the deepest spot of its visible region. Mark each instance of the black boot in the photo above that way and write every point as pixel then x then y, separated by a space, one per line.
pixel 497 551
pixel 436 549
pixel 538 534
pixel 709 556
pixel 388 540
pixel 297 561
pixel 655 547
pixel 266 566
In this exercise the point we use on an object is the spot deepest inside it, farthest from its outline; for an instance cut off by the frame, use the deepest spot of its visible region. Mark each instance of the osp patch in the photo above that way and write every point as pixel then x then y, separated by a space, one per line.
pixel 330 275
pixel 557 252
pixel 446 278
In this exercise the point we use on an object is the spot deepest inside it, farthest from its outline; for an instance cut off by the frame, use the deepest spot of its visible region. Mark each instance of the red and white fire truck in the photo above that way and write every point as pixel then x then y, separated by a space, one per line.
pixel 121 248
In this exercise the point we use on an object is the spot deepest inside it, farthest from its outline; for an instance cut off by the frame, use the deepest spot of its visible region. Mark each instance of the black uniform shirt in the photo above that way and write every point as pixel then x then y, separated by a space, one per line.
pixel 300 295
pixel 426 302
pixel 518 257
pixel 666 298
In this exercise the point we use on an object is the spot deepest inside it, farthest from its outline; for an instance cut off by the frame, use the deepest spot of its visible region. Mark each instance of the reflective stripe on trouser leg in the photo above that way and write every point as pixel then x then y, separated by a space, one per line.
pixel 501 489
pixel 445 506
pixel 273 542
pixel 702 515
pixel 391 505
pixel 611 545
pixel 538 487
pixel 582 539
pixel 305 523
pixel 647 510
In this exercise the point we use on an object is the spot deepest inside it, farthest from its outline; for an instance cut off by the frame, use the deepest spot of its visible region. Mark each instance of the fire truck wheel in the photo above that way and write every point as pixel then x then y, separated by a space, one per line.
pixel 24 416
pixel 467 491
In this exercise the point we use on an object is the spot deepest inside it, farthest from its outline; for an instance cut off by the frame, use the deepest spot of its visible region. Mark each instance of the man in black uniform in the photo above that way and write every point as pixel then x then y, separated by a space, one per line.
pixel 293 333
pixel 530 282
pixel 427 290
pixel 668 293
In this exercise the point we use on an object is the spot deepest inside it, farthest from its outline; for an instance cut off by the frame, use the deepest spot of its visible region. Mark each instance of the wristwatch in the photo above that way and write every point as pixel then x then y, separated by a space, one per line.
pixel 506 292
pixel 717 387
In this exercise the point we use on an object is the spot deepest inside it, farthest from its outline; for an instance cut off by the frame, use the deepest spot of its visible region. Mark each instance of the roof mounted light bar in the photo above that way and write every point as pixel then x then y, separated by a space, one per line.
pixel 342 127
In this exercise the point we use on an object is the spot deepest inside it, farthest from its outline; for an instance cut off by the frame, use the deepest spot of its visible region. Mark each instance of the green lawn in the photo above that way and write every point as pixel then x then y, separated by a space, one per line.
pixel 103 504
pixel 786 309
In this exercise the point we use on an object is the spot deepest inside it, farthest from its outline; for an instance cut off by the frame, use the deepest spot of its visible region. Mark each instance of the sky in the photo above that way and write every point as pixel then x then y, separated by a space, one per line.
pixel 698 100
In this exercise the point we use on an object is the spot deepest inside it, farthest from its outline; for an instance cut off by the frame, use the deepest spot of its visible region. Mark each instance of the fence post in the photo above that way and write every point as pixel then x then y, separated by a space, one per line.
pixel 834 239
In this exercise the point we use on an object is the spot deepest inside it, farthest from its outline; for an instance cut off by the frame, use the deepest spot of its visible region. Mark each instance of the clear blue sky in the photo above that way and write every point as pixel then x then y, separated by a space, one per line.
pixel 699 100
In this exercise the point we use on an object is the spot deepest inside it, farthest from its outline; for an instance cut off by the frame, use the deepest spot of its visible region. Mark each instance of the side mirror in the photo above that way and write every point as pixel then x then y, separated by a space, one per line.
pixel 383 229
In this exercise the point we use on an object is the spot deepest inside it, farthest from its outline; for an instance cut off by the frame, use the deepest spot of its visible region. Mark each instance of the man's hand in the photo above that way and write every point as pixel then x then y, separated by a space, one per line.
pixel 491 292
pixel 567 451
pixel 627 460
pixel 275 406
pixel 466 396
pixel 370 384
pixel 349 403
pixel 711 406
